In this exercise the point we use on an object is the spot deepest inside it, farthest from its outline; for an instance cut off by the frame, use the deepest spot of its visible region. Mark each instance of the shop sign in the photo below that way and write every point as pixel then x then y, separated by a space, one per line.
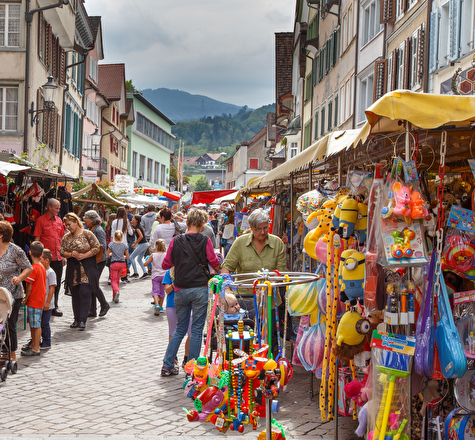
pixel 89 176
pixel 123 182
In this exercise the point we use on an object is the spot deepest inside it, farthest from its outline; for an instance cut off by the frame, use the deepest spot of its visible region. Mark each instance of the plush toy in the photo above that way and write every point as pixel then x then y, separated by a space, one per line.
pixel 362 421
pixel 351 276
pixel 418 207
pixel 350 335
pixel 356 390
pixel 325 217
pixel 337 213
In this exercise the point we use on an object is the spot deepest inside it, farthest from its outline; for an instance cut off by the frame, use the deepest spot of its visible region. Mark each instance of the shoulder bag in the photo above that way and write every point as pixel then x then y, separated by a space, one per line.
pixel 203 266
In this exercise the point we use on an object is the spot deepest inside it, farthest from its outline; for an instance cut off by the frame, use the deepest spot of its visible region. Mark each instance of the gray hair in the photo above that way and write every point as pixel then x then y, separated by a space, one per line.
pixel 52 202
pixel 257 217
pixel 94 217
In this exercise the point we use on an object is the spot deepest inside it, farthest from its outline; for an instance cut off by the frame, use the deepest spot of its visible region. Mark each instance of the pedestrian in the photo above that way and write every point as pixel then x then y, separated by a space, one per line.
pixel 80 247
pixel 147 221
pixel 228 232
pixel 111 218
pixel 140 246
pixel 167 229
pixel 45 260
pixel 122 223
pixel 119 253
pixel 14 268
pixel 190 254
pixel 93 223
pixel 35 297
pixel 168 284
pixel 49 230
pixel 158 292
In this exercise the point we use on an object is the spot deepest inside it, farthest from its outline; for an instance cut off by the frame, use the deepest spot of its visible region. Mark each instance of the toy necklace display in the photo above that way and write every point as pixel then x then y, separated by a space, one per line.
pixel 241 385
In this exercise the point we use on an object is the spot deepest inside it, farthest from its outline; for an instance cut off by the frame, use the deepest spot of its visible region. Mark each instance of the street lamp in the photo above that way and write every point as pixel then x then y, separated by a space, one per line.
pixel 49 91
pixel 96 139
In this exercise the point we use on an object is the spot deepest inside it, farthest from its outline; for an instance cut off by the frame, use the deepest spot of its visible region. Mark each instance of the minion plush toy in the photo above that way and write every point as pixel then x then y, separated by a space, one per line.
pixel 362 223
pixel 348 217
pixel 351 276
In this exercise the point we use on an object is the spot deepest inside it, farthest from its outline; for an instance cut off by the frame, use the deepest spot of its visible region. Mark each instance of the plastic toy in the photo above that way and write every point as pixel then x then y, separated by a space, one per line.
pixel 402 199
pixel 402 243
pixel 352 329
pixel 387 211
pixel 418 208
pixel 362 223
pixel 337 213
pixel 351 276
pixel 323 227
pixel 460 253
pixel 347 217
pixel 205 404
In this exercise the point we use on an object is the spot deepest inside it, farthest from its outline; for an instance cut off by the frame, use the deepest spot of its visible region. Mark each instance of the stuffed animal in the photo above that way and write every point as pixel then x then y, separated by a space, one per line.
pixel 351 276
pixel 348 217
pixel 362 223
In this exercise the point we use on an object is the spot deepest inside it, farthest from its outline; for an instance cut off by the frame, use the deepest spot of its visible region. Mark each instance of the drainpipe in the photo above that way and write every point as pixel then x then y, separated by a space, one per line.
pixel 356 64
pixel 425 75
pixel 29 19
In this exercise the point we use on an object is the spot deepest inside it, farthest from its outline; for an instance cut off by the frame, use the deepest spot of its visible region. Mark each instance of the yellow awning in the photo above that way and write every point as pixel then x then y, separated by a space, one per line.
pixel 420 109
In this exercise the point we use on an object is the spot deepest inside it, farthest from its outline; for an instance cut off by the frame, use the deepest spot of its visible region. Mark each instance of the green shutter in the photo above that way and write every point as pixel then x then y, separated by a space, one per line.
pixel 67 128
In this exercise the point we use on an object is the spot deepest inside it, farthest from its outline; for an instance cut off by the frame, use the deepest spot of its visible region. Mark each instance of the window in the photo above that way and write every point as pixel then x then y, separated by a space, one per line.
pixel 157 173
pixel 124 154
pixel 254 164
pixel 150 170
pixel 294 149
pixel 401 67
pixel 229 168
pixel 153 131
pixel 330 115
pixel 345 39
pixel 163 175
pixel 142 167
pixel 307 134
pixel 322 122
pixel 390 71
pixel 134 163
pixel 93 69
pixel 371 24
pixel 366 96
pixel 400 8
pixel 9 25
pixel 415 59
pixel 9 108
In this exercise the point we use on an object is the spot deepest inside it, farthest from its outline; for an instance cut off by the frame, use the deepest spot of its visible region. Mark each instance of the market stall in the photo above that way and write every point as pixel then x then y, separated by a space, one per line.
pixel 390 230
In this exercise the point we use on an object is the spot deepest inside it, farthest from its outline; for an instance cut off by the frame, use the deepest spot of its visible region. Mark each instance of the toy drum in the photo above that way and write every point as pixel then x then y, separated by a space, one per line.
pixel 459 425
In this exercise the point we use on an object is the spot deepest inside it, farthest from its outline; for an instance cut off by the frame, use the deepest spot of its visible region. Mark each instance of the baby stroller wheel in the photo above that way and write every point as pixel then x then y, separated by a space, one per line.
pixel 3 374
pixel 6 364
pixel 13 367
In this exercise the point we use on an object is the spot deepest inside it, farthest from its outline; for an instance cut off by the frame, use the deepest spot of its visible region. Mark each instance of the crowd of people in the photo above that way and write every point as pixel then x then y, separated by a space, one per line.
pixel 172 250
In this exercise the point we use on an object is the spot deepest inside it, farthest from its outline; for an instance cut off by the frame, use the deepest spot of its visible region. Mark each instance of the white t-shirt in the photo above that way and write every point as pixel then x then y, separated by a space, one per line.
pixel 117 225
pixel 164 231
pixel 50 281
pixel 157 270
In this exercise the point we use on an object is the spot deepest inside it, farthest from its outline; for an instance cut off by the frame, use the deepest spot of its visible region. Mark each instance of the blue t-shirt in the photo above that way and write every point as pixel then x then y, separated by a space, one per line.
pixel 167 279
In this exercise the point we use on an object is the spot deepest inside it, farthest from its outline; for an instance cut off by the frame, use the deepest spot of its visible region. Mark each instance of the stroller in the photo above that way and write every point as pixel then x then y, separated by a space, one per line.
pixel 6 363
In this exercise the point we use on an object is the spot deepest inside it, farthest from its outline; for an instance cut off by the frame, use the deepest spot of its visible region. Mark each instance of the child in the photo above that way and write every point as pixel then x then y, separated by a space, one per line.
pixel 233 309
pixel 119 253
pixel 47 310
pixel 158 273
pixel 35 299
pixel 168 280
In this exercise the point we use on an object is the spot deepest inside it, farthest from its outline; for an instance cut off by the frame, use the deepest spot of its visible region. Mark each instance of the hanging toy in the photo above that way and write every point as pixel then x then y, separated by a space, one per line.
pixel 362 223
pixel 418 207
pixel 351 276
pixel 337 213
pixel 460 254
pixel 402 198
pixel 347 218
pixel 402 243
pixel 350 335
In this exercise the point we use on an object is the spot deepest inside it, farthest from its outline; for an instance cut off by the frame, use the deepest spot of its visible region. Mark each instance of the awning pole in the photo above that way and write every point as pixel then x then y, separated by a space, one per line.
pixel 339 169
pixel 408 148
pixel 291 221
pixel 310 177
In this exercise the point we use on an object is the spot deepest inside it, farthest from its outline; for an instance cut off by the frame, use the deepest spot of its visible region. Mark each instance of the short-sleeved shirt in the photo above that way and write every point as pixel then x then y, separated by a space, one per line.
pixel 167 279
pixel 50 232
pixel 37 279
pixel 243 257
pixel 118 250
pixel 157 270
pixel 50 281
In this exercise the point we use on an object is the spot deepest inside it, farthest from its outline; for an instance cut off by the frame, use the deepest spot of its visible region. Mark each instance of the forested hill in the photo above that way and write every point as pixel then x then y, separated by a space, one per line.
pixel 221 133
pixel 183 106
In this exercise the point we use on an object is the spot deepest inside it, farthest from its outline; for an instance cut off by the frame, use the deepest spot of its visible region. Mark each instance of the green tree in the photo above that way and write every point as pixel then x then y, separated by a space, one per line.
pixel 130 88
pixel 202 184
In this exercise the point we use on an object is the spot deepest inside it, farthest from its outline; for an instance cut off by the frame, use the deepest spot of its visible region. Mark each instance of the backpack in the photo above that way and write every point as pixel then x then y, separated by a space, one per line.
pixel 179 229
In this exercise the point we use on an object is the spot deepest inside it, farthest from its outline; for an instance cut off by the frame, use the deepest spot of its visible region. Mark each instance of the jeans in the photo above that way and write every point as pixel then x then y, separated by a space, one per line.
pixel 138 253
pixel 193 299
pixel 45 328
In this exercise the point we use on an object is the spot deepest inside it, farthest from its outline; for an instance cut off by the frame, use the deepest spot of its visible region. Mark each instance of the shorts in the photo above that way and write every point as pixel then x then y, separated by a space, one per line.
pixel 34 317
pixel 157 287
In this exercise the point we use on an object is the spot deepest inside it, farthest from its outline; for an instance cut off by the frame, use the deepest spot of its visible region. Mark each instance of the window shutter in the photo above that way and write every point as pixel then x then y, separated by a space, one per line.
pixel 336 111
pixel 41 36
pixel 316 124
pixel 62 67
pixel 386 11
pixel 49 46
pixel 67 128
pixel 380 77
pixel 314 71
pixel 420 53
pixel 453 29
pixel 395 69
pixel 254 164
pixel 407 63
pixel 433 37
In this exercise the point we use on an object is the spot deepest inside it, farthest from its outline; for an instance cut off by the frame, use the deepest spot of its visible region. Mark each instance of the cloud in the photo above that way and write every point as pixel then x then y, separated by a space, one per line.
pixel 220 48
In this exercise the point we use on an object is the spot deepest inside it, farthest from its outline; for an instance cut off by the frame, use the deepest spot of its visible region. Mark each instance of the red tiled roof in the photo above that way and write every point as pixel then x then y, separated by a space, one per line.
pixel 213 156
pixel 111 80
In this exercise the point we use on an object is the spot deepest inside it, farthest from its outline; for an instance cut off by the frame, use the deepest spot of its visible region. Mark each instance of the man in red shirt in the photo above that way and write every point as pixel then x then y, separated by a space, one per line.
pixel 49 230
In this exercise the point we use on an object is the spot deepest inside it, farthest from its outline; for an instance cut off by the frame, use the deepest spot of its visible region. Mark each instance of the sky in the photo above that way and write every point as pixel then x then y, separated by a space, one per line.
pixel 223 49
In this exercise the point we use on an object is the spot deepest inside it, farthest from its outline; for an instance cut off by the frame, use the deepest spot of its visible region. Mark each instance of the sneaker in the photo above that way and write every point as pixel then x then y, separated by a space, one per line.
pixel 145 275
pixel 135 275
pixel 44 346
pixel 185 360
pixel 161 309
pixel 127 280
pixel 156 310
pixel 169 371
pixel 116 297
pixel 27 345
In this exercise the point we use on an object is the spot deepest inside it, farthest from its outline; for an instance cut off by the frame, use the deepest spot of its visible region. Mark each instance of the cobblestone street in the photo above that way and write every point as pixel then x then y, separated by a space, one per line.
pixel 105 383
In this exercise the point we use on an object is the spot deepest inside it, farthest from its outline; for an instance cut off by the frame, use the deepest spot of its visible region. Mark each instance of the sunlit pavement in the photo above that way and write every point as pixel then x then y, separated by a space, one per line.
pixel 105 383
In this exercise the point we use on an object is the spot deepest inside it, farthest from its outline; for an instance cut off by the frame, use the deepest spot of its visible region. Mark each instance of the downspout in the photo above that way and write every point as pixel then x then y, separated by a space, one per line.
pixel 425 76
pixel 356 64
pixel 29 19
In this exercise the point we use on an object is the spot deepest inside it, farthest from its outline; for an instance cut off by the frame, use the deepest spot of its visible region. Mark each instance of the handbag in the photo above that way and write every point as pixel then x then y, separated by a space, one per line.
pixel 203 266
pixel 100 254
pixel 224 242
pixel 108 261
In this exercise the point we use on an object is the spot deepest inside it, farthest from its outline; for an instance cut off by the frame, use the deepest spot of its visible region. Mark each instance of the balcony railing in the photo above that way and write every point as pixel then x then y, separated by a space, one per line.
pixel 99 164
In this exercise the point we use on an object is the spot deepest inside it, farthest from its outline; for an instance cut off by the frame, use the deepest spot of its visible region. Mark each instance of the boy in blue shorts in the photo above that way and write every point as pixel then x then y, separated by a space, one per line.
pixel 35 298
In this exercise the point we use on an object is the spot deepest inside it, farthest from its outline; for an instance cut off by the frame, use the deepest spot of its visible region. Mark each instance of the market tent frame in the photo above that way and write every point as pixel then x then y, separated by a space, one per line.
pixel 92 191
